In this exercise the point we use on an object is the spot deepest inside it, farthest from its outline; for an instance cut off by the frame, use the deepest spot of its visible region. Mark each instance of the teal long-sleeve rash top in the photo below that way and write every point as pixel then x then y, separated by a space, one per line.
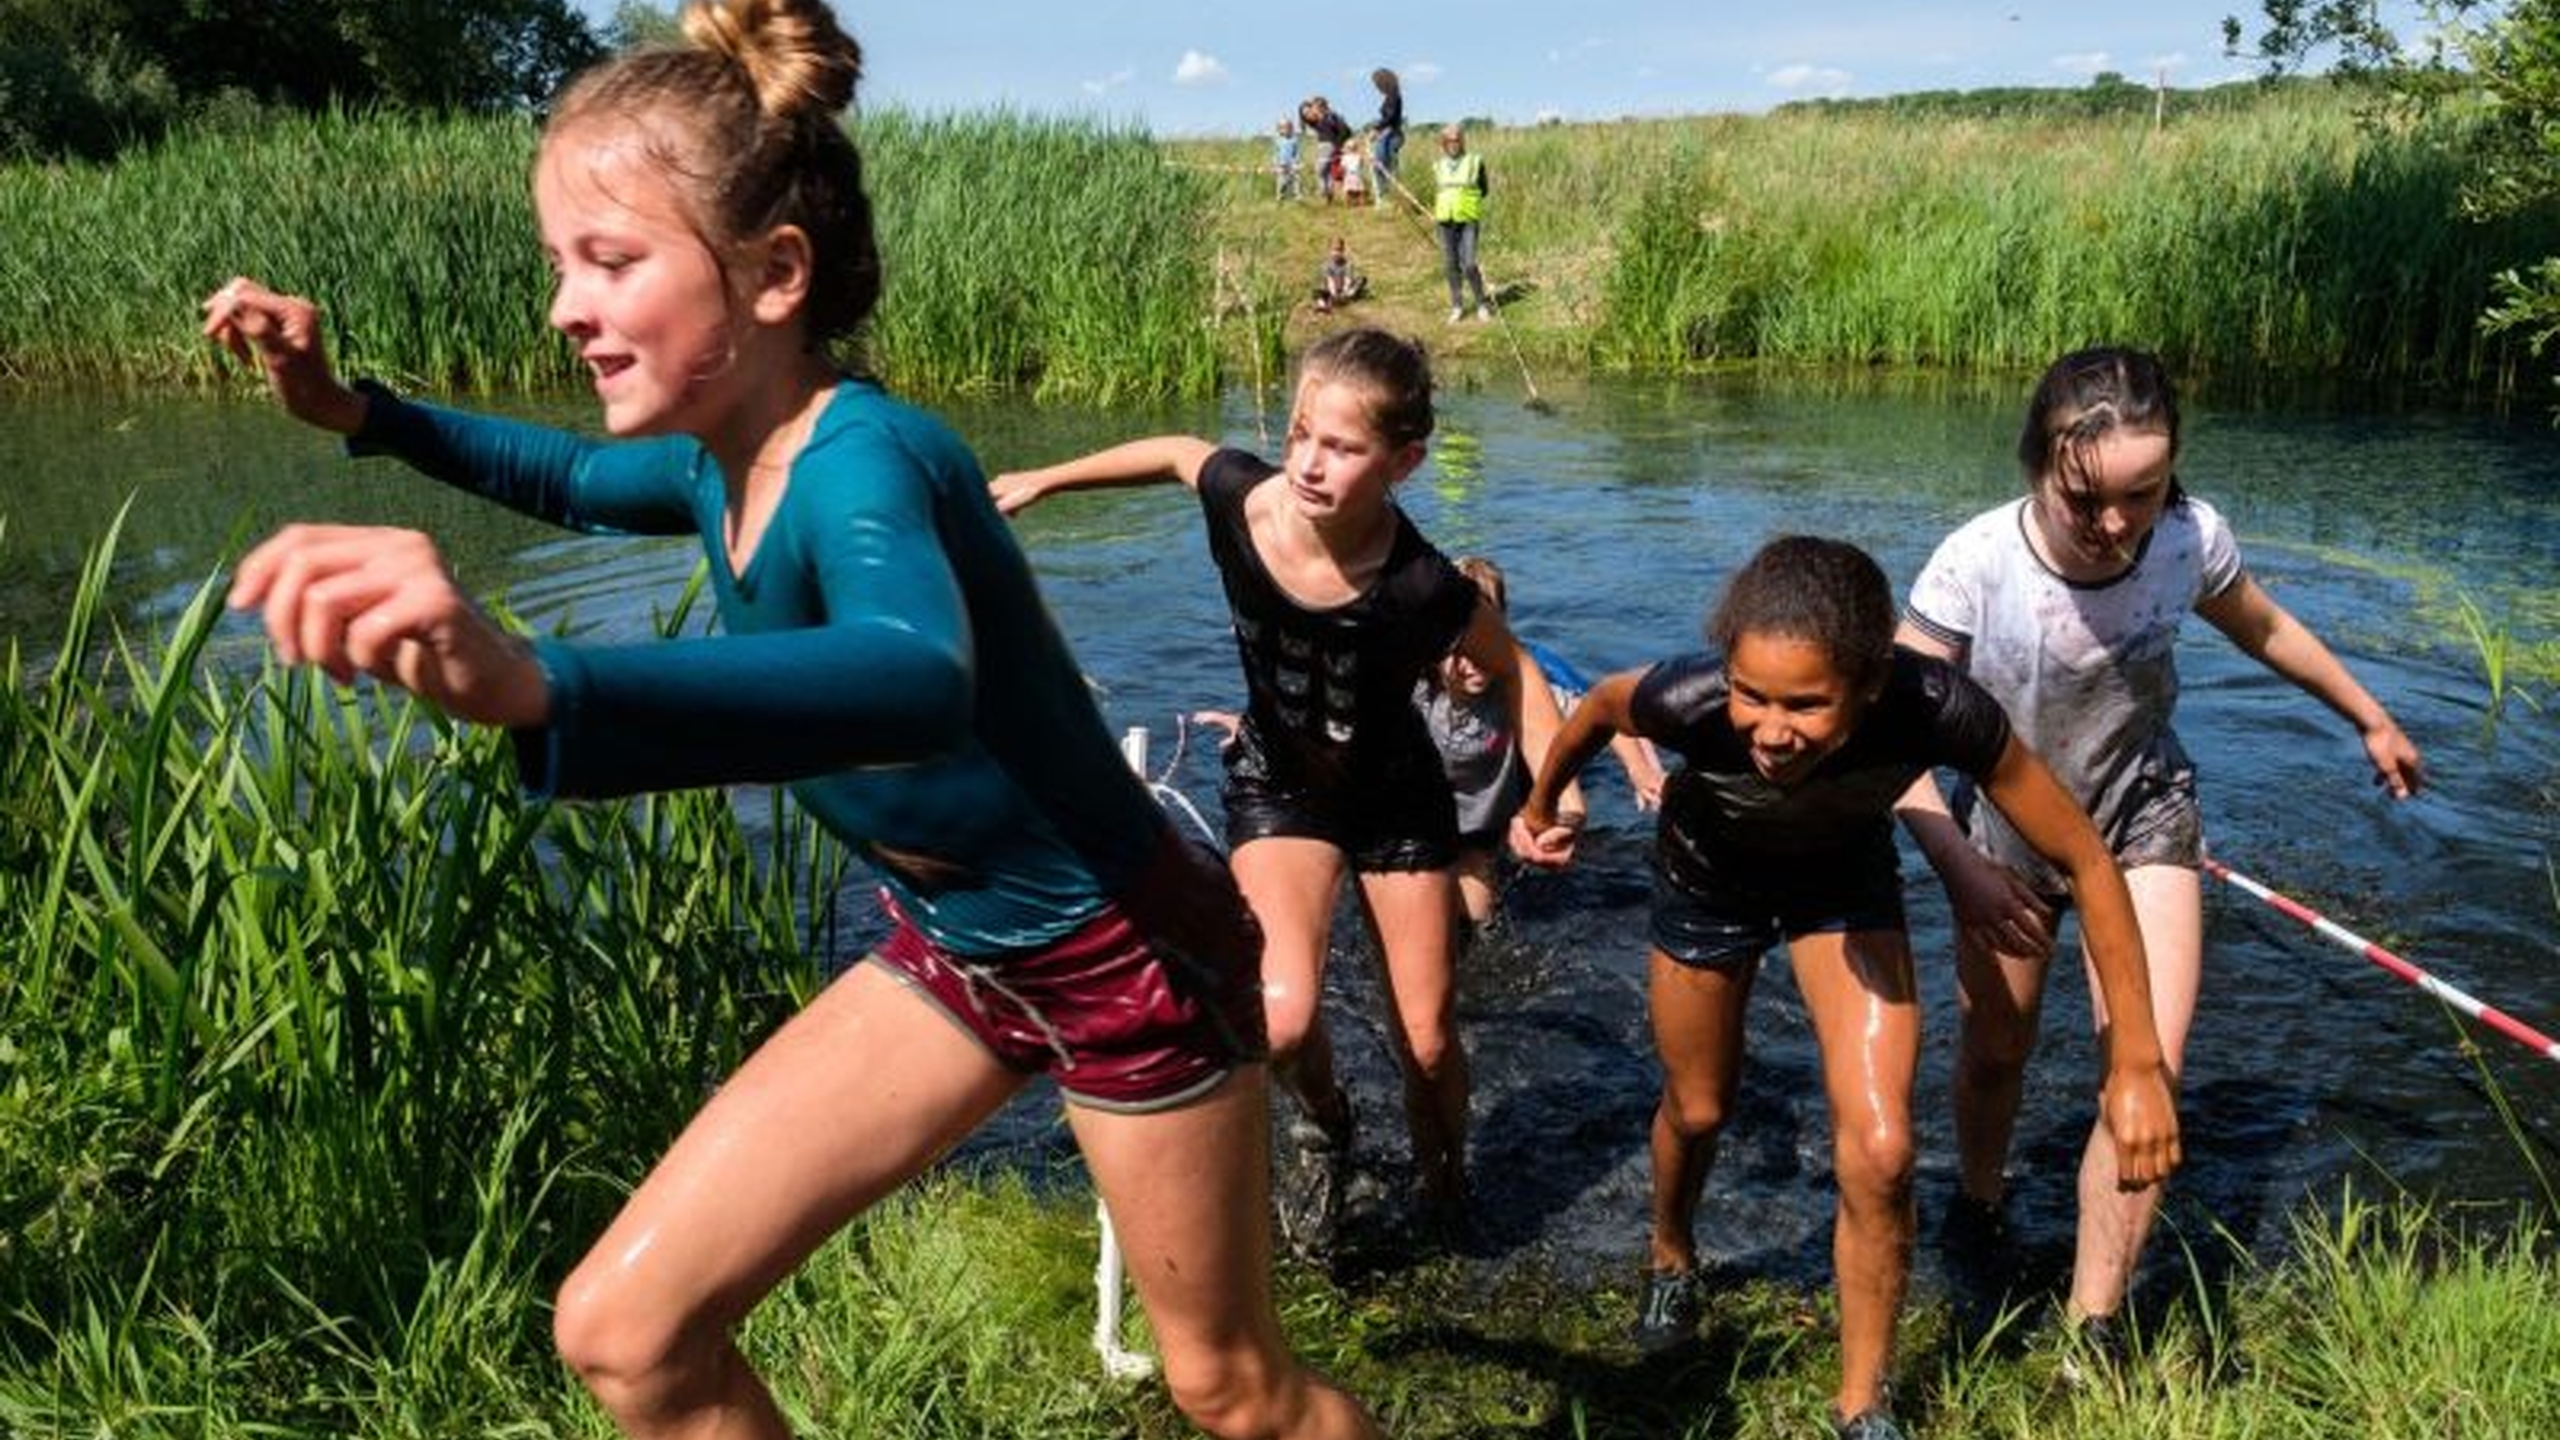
pixel 885 654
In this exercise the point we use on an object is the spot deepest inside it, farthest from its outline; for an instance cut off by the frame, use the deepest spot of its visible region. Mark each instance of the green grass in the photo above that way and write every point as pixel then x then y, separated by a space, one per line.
pixel 2286 238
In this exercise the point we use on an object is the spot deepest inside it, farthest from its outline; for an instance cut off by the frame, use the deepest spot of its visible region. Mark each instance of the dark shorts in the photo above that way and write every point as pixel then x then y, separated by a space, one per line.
pixel 1735 924
pixel 1392 825
pixel 1120 1019
pixel 2158 822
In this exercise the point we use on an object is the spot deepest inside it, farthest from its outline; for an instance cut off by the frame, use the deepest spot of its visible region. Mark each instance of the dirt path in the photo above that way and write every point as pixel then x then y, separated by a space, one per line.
pixel 1398 249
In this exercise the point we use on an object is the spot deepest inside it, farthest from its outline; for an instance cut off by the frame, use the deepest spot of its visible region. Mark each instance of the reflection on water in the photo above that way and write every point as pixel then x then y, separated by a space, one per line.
pixel 1616 518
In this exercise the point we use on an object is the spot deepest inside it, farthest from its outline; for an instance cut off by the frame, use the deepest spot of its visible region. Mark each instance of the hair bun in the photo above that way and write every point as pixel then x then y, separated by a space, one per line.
pixel 793 52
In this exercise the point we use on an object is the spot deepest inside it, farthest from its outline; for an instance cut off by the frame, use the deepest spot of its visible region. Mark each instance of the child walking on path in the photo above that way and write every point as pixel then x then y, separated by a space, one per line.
pixel 1778 826
pixel 2066 606
pixel 1284 159
pixel 885 654
pixel 1339 605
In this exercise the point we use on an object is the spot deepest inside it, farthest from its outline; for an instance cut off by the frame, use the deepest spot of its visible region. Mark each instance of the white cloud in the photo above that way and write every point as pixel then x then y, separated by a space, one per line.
pixel 1811 79
pixel 1425 71
pixel 2084 62
pixel 2169 64
pixel 1548 115
pixel 1110 82
pixel 1196 68
pixel 1575 51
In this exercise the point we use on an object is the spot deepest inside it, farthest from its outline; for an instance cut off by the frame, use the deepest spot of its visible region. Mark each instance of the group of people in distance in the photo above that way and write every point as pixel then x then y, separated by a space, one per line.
pixel 1355 167
pixel 885 653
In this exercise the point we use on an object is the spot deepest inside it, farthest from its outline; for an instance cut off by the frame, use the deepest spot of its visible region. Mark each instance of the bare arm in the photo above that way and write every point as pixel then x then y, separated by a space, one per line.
pixel 2268 633
pixel 1152 461
pixel 1644 769
pixel 1491 646
pixel 2137 1103
pixel 1536 835
pixel 1993 905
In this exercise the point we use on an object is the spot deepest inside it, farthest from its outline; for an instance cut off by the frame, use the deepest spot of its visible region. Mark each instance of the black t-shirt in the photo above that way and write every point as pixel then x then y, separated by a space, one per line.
pixel 1330 692
pixel 1723 823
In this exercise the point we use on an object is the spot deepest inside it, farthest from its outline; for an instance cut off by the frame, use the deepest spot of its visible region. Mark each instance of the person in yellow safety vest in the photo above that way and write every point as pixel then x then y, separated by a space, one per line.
pixel 1458 204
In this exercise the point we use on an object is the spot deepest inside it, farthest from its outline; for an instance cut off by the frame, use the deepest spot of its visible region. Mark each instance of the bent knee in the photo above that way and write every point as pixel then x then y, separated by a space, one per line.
pixel 1433 1051
pixel 621 1351
pixel 1875 1162
pixel 1288 1023
pixel 1695 1118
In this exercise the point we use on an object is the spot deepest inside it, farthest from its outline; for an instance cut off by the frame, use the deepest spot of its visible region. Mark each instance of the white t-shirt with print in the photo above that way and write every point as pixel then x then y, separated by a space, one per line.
pixel 2087 670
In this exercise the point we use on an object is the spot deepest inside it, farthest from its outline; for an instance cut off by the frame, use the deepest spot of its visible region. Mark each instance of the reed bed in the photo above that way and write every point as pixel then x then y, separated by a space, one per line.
pixel 2286 237
pixel 319 1050
pixel 1059 257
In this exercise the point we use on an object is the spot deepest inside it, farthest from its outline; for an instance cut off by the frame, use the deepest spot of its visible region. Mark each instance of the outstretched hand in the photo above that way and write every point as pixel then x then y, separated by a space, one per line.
pixel 1012 491
pixel 377 601
pixel 2396 767
pixel 281 335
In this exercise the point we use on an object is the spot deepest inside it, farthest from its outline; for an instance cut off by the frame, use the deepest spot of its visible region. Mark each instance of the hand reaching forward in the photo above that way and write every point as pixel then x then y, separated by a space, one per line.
pixel 281 335
pixel 380 602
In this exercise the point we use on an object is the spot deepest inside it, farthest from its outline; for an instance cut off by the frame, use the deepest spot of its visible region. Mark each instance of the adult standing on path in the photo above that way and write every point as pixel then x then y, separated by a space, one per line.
pixel 1387 130
pixel 1457 202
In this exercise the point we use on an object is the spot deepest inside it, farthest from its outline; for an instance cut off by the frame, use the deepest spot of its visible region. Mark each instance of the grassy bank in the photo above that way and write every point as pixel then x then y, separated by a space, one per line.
pixel 322 1056
pixel 2272 236
pixel 2259 235
pixel 418 236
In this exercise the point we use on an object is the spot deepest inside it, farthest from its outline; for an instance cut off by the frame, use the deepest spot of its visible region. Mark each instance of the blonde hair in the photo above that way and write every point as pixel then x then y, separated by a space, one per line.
pixel 744 122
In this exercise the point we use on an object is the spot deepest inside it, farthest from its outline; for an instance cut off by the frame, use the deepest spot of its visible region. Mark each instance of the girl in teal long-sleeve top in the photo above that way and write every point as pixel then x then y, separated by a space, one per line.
pixel 884 653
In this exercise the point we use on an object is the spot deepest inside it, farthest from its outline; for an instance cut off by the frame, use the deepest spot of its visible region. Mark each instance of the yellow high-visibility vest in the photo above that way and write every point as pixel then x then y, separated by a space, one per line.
pixel 1460 199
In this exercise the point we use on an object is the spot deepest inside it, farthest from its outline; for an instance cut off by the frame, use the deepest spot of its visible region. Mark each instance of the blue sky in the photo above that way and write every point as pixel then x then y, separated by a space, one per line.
pixel 1184 68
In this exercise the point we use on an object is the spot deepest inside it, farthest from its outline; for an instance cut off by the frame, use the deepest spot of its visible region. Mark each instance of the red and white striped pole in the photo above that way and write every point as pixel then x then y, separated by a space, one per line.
pixel 2489 1015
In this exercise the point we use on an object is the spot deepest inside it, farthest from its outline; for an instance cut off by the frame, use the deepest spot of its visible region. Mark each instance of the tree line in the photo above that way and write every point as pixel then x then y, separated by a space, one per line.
pixel 84 79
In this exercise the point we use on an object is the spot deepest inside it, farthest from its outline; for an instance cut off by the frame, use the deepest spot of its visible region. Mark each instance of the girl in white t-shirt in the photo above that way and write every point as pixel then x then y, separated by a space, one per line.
pixel 2066 605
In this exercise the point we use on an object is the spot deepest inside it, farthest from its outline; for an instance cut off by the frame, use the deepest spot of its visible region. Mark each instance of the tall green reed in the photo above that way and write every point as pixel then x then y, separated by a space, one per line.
pixel 315 1040
pixel 1063 257
pixel 2285 237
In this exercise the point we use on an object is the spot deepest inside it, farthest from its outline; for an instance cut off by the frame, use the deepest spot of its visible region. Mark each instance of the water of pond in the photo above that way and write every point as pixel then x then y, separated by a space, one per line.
pixel 1616 518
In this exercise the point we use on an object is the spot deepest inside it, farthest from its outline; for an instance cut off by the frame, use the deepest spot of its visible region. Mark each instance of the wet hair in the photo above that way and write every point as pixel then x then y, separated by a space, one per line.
pixel 2081 398
pixel 1385 80
pixel 744 121
pixel 1488 577
pixel 1394 369
pixel 1823 592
